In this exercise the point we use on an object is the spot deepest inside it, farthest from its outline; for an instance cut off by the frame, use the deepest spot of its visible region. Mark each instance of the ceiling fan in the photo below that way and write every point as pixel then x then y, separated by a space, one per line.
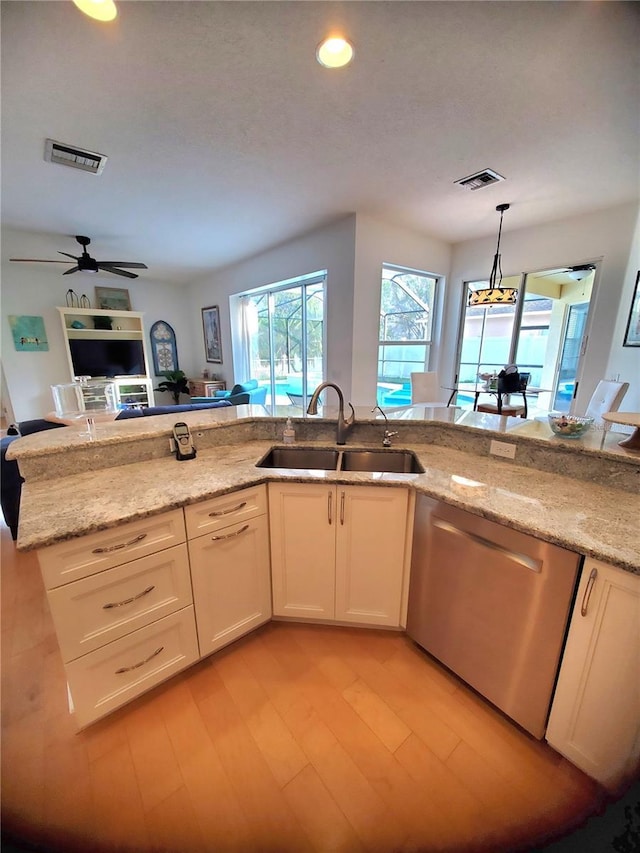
pixel 577 272
pixel 85 263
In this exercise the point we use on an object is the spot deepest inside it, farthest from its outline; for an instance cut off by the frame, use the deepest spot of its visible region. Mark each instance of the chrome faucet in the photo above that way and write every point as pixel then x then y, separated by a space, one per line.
pixel 386 441
pixel 343 425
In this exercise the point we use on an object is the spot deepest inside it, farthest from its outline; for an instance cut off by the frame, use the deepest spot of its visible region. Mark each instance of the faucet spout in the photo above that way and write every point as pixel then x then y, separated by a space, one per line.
pixel 386 441
pixel 344 424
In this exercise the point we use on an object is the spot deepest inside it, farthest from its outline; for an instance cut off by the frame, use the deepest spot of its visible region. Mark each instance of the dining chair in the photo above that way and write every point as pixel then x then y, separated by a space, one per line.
pixel 606 398
pixel 424 389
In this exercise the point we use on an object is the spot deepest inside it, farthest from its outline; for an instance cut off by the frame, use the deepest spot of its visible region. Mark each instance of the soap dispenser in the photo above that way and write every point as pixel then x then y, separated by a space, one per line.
pixel 289 434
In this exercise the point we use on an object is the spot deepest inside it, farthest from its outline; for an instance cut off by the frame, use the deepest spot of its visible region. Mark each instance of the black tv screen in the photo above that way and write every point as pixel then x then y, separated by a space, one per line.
pixel 106 357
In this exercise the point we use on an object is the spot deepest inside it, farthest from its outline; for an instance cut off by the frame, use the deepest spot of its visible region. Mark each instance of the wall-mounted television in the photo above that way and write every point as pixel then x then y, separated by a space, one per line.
pixel 97 357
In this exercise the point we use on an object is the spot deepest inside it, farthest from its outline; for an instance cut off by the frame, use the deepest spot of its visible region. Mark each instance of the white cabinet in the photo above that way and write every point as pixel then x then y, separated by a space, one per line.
pixel 595 716
pixel 339 552
pixel 109 343
pixel 230 569
pixel 122 606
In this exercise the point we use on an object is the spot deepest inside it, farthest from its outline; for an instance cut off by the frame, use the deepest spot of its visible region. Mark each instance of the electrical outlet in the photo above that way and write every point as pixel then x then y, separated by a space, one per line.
pixel 501 448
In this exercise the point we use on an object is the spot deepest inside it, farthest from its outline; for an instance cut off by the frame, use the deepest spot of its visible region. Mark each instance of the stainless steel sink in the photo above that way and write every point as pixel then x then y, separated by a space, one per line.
pixel 300 457
pixel 383 461
pixel 318 458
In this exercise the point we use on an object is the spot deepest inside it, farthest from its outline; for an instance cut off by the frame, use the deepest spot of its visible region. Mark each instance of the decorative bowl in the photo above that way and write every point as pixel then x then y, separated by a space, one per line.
pixel 569 426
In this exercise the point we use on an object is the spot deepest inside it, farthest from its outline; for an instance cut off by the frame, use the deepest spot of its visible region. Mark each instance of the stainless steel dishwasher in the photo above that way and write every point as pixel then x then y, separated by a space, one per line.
pixel 492 604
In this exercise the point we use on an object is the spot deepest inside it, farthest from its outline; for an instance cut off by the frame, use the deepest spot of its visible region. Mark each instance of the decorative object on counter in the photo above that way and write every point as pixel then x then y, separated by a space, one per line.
pixel 102 322
pixel 85 302
pixel 86 400
pixel 632 333
pixel 29 334
pixel 205 373
pixel 176 383
pixel 211 327
pixel 627 419
pixel 71 299
pixel 112 298
pixel 163 348
pixel 76 324
pixel 569 426
pixel 495 294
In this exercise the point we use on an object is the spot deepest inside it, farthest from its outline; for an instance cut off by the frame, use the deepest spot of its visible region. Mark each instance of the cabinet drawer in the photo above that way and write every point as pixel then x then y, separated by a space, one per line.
pixel 225 510
pixel 87 555
pixel 115 674
pixel 91 612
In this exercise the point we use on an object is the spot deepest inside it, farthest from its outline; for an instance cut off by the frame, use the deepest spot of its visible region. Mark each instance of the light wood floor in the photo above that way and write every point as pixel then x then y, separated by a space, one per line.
pixel 297 738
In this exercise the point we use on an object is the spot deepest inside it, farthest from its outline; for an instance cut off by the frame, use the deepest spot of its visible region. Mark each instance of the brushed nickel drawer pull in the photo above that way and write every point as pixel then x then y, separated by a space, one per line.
pixel 227 511
pixel 330 508
pixel 342 508
pixel 230 535
pixel 128 600
pixel 119 547
pixel 587 593
pixel 522 559
pixel 142 662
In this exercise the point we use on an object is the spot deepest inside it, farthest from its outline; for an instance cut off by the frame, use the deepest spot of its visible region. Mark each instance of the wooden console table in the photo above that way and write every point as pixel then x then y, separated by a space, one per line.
pixel 205 387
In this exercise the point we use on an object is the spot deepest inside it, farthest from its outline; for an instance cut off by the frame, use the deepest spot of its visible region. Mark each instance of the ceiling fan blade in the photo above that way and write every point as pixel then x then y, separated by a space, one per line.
pixel 75 257
pixel 127 264
pixel 37 261
pixel 116 271
pixel 73 269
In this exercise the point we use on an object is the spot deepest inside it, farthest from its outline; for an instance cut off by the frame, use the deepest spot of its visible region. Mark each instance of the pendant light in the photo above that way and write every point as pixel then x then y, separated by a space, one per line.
pixel 495 294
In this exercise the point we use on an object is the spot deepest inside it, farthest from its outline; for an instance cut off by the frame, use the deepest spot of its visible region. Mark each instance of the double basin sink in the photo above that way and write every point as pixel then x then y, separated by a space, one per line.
pixel 317 458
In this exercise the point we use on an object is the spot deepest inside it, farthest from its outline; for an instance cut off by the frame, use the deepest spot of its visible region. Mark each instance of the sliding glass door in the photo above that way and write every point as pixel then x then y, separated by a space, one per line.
pixel 544 334
pixel 282 338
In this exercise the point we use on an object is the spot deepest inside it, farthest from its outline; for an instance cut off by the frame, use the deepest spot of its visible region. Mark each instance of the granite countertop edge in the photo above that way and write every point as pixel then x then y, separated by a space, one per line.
pixel 593 520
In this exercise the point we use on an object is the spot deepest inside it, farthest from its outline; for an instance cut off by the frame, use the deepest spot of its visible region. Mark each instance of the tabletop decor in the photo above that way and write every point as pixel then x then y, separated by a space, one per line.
pixel 211 326
pixel 632 333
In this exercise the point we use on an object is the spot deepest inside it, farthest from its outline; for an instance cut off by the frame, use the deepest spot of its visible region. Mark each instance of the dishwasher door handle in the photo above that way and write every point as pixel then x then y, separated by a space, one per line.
pixel 521 559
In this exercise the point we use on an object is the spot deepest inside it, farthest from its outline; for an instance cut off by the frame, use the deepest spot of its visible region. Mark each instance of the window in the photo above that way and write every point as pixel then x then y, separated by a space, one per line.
pixel 279 337
pixel 407 301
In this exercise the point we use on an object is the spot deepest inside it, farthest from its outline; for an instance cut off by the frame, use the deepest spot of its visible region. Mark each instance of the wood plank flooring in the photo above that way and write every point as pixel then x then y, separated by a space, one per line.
pixel 296 738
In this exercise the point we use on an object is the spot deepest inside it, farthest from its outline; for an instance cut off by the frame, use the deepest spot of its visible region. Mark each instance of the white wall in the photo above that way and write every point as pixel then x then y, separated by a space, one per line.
pixel 610 235
pixel 36 290
pixel 330 248
pixel 379 243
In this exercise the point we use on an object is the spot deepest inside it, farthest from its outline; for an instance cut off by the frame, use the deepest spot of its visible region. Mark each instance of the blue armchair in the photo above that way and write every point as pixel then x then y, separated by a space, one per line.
pixel 237 395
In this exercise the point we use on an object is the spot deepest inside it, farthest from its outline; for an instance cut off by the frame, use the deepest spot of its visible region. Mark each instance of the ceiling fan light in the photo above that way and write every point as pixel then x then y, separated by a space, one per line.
pixel 100 10
pixel 334 52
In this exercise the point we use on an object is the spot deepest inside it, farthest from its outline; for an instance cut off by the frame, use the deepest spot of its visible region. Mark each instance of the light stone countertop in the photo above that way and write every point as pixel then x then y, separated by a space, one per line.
pixel 589 518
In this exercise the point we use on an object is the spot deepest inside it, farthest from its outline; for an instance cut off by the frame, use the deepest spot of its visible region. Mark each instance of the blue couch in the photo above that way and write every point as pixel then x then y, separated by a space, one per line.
pixel 10 479
pixel 256 393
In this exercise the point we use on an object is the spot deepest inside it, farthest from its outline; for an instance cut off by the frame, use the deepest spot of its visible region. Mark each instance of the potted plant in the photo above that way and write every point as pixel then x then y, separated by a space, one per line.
pixel 175 382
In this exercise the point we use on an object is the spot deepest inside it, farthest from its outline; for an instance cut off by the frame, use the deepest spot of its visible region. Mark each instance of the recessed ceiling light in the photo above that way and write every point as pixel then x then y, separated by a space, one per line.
pixel 334 52
pixel 101 10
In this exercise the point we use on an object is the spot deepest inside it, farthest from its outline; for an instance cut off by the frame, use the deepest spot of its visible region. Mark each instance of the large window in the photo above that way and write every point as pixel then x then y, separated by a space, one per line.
pixel 280 338
pixel 407 301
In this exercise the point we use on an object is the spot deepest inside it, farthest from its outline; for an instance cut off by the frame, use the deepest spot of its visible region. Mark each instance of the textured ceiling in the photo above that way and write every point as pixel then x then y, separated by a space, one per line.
pixel 225 137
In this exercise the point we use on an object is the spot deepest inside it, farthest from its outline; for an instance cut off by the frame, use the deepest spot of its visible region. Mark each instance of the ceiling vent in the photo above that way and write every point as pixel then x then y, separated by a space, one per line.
pixel 71 155
pixel 480 179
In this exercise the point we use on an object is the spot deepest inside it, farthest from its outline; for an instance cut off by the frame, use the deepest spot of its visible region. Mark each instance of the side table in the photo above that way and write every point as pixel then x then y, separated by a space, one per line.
pixel 205 387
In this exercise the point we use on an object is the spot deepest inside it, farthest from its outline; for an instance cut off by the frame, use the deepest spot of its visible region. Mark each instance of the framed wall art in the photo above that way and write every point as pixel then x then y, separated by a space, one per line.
pixel 632 333
pixel 163 348
pixel 211 327
pixel 29 334
pixel 113 298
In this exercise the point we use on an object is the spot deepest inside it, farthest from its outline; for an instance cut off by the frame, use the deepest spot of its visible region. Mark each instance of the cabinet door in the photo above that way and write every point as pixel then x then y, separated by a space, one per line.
pixel 231 582
pixel 370 554
pixel 595 716
pixel 302 524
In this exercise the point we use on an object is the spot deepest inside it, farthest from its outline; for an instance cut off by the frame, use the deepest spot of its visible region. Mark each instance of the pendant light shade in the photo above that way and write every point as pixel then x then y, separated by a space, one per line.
pixel 495 294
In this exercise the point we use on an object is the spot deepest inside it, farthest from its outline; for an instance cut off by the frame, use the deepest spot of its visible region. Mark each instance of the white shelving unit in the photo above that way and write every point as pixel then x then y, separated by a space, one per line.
pixel 126 325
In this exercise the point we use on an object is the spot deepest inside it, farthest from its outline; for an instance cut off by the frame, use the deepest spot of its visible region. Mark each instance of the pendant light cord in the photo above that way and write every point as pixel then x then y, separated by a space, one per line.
pixel 497 265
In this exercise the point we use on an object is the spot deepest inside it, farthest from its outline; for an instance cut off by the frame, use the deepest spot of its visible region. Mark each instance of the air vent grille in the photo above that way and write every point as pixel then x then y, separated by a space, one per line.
pixel 480 179
pixel 71 155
